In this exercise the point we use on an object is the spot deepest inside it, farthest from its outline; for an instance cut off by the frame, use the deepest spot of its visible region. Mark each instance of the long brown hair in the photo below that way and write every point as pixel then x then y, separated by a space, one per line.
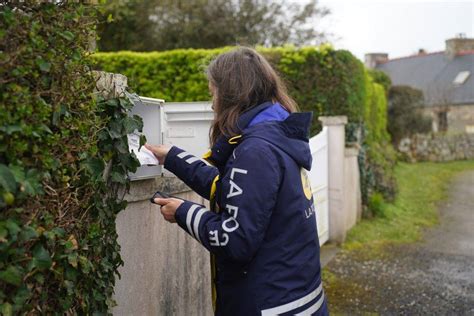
pixel 242 79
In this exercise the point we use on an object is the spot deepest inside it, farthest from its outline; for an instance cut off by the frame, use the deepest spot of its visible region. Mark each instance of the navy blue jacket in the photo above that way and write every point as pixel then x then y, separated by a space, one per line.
pixel 264 238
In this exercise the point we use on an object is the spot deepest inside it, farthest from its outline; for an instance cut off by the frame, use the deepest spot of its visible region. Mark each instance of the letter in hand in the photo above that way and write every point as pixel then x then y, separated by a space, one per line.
pixel 160 151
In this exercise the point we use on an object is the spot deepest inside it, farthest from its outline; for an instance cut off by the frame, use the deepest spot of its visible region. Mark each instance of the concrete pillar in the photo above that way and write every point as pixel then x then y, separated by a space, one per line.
pixel 109 85
pixel 352 194
pixel 336 154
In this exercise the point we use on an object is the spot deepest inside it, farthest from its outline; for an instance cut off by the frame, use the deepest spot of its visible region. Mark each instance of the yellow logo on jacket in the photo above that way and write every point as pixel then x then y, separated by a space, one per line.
pixel 306 184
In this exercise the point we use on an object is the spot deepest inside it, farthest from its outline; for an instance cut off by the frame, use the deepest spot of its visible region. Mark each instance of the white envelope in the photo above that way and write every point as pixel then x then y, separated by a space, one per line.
pixel 145 156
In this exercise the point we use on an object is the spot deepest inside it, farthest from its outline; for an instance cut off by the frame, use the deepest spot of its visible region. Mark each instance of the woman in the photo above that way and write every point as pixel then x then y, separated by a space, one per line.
pixel 261 228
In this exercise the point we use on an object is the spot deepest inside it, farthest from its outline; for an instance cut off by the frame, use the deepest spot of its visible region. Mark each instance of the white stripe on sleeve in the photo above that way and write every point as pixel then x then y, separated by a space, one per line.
pixel 192 159
pixel 183 154
pixel 189 216
pixel 197 220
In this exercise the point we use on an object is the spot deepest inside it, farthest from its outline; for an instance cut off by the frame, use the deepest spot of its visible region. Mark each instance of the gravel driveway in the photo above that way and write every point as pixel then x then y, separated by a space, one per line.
pixel 432 277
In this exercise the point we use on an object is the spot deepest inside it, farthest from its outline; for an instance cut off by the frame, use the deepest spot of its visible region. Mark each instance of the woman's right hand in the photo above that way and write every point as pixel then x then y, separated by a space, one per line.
pixel 160 151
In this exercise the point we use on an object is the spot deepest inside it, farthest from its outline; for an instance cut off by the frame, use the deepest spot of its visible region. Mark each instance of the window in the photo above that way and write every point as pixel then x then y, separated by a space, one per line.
pixel 442 121
pixel 461 77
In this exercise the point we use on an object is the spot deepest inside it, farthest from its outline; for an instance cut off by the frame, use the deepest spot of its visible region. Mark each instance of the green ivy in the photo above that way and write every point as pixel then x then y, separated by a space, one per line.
pixel 63 160
pixel 377 157
pixel 381 78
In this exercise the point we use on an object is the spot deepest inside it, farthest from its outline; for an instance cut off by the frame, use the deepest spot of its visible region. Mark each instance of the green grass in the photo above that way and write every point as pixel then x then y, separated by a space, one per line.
pixel 421 187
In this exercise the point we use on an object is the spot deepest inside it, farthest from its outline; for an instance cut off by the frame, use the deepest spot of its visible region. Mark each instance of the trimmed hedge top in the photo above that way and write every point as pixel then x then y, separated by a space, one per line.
pixel 320 79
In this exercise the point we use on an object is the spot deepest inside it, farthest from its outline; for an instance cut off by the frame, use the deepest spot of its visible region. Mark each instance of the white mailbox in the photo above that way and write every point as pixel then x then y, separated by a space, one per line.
pixel 184 124
pixel 150 111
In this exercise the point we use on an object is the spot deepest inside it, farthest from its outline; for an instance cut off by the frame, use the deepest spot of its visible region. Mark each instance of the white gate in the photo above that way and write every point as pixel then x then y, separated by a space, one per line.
pixel 319 178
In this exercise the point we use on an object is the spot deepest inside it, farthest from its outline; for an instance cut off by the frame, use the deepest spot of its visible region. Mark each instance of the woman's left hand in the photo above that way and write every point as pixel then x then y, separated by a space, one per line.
pixel 169 207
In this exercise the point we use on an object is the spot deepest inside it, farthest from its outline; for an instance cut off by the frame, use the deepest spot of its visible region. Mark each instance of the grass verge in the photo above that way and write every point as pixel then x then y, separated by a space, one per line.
pixel 421 187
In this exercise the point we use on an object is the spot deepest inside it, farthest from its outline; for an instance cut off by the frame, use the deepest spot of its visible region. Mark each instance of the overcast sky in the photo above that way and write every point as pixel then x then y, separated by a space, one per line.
pixel 398 27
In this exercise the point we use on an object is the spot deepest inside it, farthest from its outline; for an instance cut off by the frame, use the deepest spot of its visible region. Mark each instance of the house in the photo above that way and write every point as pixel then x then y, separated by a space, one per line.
pixel 446 79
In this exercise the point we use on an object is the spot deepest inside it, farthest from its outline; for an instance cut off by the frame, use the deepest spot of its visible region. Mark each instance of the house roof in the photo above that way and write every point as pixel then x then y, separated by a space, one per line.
pixel 434 74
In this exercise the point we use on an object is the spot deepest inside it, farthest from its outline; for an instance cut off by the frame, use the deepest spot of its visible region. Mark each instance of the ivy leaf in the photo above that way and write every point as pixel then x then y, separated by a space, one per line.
pixel 3 233
pixel 131 124
pixel 12 227
pixel 11 275
pixel 43 65
pixel 58 231
pixel 22 295
pixel 121 145
pixel 28 233
pixel 18 172
pixel 6 309
pixel 95 166
pixel 142 140
pixel 67 35
pixel 118 177
pixel 32 183
pixel 41 257
pixel 76 55
pixel 10 129
pixel 7 179
pixel 115 129
pixel 85 264
pixel 112 102
pixel 72 259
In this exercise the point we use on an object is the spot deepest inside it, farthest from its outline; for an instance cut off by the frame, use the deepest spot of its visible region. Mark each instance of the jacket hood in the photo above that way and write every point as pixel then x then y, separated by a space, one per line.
pixel 287 131
pixel 289 135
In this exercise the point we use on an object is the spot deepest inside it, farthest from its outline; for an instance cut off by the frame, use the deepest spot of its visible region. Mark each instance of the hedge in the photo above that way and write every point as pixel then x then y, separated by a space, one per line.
pixel 381 78
pixel 378 158
pixel 320 79
pixel 376 112
pixel 58 201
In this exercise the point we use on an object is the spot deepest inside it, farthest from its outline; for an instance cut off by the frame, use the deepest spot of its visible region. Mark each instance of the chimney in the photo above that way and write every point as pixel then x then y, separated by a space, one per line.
pixel 373 59
pixel 458 44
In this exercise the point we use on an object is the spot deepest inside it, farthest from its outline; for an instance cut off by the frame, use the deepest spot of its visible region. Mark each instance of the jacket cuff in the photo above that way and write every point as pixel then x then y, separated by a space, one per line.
pixel 188 216
pixel 170 160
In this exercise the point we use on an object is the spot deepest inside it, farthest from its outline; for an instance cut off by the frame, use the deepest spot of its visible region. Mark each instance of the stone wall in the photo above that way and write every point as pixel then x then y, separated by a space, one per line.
pixel 165 271
pixel 460 118
pixel 438 147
